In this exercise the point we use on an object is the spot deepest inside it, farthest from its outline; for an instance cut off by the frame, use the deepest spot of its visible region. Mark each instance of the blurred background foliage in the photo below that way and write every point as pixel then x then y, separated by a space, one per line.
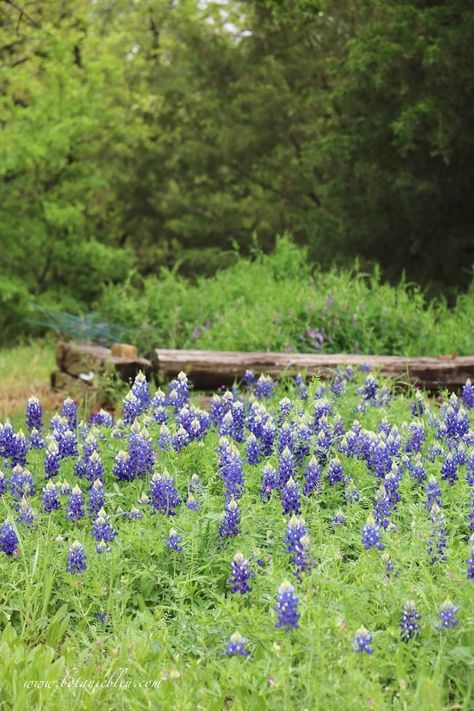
pixel 147 145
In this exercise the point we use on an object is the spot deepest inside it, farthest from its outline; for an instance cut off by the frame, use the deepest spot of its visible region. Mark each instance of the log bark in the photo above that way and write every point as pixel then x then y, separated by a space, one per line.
pixel 210 369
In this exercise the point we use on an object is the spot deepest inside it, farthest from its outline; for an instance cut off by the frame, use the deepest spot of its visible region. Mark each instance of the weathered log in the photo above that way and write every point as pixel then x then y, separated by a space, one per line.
pixel 210 369
pixel 81 359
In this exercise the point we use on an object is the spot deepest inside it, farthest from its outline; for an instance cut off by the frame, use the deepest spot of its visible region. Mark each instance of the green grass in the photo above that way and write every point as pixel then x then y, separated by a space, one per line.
pixel 25 371
pixel 169 615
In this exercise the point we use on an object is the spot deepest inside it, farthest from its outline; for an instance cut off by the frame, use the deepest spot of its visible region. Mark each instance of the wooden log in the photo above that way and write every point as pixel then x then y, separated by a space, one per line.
pixel 79 359
pixel 210 369
pixel 125 350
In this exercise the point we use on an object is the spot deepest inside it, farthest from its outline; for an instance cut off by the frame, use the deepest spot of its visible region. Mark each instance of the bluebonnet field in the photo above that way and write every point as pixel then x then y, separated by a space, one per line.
pixel 298 546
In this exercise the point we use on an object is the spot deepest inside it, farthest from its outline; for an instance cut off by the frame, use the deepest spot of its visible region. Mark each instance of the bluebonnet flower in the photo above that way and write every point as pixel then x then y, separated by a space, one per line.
pixel 134 513
pixel 362 640
pixel 34 414
pixel 417 406
pixel 140 451
pixel 180 439
pixel 295 531
pixel 164 438
pixel 131 408
pixel 3 484
pixel 417 470
pixel 141 390
pixel 174 541
pixel 76 562
pixel 382 508
pixel 351 492
pixel 388 563
pixel 437 541
pixel 301 557
pixel 191 503
pixel 102 529
pixel 122 470
pixel 371 535
pixel 8 539
pixel 96 497
pixel 264 387
pixel 287 606
pixel 369 389
pixel 334 473
pixel 284 406
pixel 237 645
pixel 36 440
pixel 409 626
pixel 67 443
pixel 101 419
pixel 164 496
pixel 338 518
pixel 286 467
pixel 230 520
pixel 416 437
pixel 65 488
pixel 249 378
pixel 433 493
pixel 19 449
pixel 447 615
pixel 321 407
pixel 21 483
pixel 75 506
pixel 232 472
pixel 290 498
pixel 252 449
pixel 391 485
pixel 50 500
pixel 26 514
pixel 468 394
pixel 268 437
pixel 69 411
pixel 312 477
pixel 269 482
pixel 241 574
pixel 286 438
pixel 449 469
pixel 94 469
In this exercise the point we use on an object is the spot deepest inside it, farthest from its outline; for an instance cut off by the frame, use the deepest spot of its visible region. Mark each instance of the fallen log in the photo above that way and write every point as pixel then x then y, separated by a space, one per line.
pixel 210 369
pixel 83 360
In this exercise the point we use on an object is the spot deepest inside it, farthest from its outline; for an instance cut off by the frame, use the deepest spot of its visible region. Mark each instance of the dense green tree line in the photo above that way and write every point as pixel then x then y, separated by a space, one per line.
pixel 137 134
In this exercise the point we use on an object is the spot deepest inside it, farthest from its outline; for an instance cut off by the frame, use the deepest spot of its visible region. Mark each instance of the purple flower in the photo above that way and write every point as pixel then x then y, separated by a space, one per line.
pixel 164 496
pixel 437 542
pixel 52 460
pixel 286 467
pixel 264 387
pixel 8 539
pixel 141 390
pixel 191 503
pixel 334 473
pixel 470 565
pixel 290 498
pixel 76 562
pixel 131 408
pixel 69 411
pixel 240 575
pixel 34 414
pixel 287 606
pixel 409 626
pixel 433 493
pixel 338 518
pixel 468 394
pixel 362 641
pixel 140 451
pixel 96 497
pixel 75 506
pixel 101 528
pixel 295 531
pixel 50 500
pixel 371 535
pixel 26 515
pixel 269 482
pixel 447 615
pixel 230 520
pixel 237 645
pixel 253 449
pixel 122 470
pixel 312 477
pixel 174 540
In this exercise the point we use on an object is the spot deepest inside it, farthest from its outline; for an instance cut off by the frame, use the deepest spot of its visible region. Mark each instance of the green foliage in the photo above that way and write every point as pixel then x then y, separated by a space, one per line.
pixel 278 301
pixel 151 134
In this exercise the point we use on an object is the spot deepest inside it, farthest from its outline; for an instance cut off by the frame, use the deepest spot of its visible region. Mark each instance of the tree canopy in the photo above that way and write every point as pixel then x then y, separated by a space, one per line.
pixel 138 134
